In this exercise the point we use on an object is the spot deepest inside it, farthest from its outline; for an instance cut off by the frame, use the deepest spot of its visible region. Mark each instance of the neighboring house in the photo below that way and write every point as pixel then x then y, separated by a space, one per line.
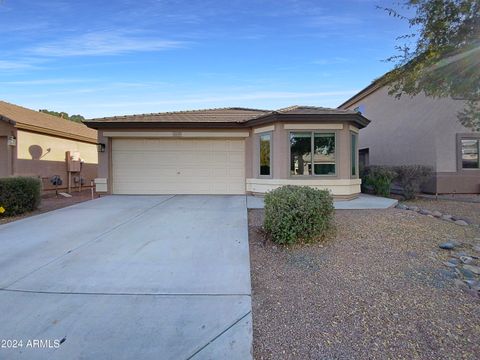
pixel 419 130
pixel 35 144
pixel 230 151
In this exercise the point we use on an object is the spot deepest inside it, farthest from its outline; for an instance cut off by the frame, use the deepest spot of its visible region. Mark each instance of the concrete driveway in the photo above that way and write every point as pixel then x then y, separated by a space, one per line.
pixel 128 277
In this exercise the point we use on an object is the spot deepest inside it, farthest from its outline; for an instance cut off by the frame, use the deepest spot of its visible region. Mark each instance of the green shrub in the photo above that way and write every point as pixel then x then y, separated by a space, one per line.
pixel 379 178
pixel 19 195
pixel 411 177
pixel 297 213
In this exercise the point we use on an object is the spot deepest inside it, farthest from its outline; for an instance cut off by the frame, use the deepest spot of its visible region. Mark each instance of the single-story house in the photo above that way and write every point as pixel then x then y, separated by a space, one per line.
pixel 418 130
pixel 36 144
pixel 230 151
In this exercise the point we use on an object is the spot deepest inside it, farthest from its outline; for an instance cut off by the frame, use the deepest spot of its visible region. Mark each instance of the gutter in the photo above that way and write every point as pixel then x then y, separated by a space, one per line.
pixel 358 119
pixel 8 120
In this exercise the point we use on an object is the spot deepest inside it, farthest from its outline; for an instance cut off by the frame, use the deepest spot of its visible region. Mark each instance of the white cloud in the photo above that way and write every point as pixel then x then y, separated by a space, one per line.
pixel 103 43
pixel 15 65
pixel 333 20
pixel 331 61
pixel 213 98
pixel 44 82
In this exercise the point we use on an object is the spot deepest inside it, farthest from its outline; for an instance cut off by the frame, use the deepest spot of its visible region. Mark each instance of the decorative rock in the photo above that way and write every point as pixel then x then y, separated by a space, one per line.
pixel 466 272
pixel 425 212
pixel 466 259
pixel 461 222
pixel 437 214
pixel 402 207
pixel 449 264
pixel 476 248
pixel 413 208
pixel 431 216
pixel 460 284
pixel 472 268
pixel 447 246
pixel 453 261
pixel 447 217
pixel 471 283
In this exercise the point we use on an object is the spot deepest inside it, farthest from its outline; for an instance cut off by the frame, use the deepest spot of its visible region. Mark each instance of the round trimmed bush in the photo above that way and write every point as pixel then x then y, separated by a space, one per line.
pixel 19 194
pixel 297 213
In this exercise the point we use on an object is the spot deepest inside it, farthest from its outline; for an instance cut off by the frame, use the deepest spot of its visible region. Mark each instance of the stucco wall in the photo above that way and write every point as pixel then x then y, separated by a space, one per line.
pixel 280 156
pixel 418 130
pixel 44 156
pixel 6 152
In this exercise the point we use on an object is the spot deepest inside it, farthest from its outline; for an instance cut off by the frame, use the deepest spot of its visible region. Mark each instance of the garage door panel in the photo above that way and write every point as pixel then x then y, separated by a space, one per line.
pixel 178 166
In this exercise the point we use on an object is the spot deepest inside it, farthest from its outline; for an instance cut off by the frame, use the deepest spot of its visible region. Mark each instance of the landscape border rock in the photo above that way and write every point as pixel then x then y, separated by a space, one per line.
pixel 435 214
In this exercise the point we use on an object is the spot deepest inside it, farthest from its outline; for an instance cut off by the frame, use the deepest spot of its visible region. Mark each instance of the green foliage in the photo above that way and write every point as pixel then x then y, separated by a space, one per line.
pixel 441 57
pixel 379 178
pixel 297 213
pixel 64 115
pixel 19 195
pixel 411 177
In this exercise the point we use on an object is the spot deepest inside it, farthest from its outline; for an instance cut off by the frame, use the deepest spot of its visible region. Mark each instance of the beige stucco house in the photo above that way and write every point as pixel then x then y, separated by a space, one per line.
pixel 230 151
pixel 35 144
pixel 419 130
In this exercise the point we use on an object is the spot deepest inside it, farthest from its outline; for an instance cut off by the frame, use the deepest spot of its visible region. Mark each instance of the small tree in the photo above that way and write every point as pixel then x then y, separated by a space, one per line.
pixel 63 115
pixel 441 57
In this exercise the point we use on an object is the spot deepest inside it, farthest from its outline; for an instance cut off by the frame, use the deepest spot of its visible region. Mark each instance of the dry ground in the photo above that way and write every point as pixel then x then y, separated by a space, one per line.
pixel 51 202
pixel 467 210
pixel 377 290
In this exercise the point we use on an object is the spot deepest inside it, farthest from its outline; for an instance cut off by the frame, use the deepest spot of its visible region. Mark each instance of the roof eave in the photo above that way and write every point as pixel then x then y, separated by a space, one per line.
pixel 155 125
pixel 8 120
pixel 358 119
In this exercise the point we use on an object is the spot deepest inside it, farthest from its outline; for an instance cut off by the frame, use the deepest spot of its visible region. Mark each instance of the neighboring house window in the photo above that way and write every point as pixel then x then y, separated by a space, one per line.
pixel 312 153
pixel 470 153
pixel 265 154
pixel 353 145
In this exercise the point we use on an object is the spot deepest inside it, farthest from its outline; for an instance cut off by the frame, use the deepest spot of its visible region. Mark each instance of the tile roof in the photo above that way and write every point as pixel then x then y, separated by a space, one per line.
pixel 220 115
pixel 233 114
pixel 312 110
pixel 28 119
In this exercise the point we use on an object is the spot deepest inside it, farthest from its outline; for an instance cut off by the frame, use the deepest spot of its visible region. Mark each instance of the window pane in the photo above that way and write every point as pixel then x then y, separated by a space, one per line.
pixel 301 153
pixel 354 154
pixel 470 154
pixel 265 154
pixel 324 154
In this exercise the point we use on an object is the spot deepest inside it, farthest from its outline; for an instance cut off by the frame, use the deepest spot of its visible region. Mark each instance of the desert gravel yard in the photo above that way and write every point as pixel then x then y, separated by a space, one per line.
pixel 377 289
pixel 469 211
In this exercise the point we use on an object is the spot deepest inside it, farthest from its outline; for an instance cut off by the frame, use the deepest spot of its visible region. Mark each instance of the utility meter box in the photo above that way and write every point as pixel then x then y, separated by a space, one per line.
pixel 101 185
pixel 73 161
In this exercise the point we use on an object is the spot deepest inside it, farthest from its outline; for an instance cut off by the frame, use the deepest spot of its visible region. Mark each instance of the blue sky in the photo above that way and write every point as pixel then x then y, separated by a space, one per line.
pixel 101 58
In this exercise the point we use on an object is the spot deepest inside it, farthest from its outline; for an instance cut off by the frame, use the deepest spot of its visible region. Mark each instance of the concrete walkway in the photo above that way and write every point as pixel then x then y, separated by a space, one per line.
pixel 144 277
pixel 363 202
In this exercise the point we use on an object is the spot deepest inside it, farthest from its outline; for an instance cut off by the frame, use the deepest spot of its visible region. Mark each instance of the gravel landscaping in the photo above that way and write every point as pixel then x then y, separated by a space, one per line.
pixel 381 287
pixel 469 211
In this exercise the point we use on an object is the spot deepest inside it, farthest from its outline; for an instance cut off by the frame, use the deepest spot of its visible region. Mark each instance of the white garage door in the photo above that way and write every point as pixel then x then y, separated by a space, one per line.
pixel 178 166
